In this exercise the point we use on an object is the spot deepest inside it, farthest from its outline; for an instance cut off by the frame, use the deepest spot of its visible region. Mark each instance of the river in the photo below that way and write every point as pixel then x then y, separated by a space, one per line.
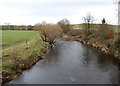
pixel 70 62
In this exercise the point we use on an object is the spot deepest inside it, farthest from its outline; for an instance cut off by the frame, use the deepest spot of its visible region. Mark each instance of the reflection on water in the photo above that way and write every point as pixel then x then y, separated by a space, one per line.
pixel 70 62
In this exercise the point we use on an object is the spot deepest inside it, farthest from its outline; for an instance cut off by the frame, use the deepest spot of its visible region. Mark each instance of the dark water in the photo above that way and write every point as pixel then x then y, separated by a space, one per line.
pixel 70 62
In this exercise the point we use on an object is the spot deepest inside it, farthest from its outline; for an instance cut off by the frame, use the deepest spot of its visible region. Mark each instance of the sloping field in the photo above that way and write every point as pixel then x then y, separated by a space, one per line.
pixel 18 52
pixel 93 26
pixel 77 26
pixel 11 38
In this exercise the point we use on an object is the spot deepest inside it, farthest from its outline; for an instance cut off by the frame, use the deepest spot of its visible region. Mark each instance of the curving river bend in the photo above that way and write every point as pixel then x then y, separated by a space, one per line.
pixel 70 62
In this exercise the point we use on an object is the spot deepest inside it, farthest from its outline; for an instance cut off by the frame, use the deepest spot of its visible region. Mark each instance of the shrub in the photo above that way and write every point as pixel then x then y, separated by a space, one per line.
pixel 105 31
pixel 49 32
pixel 42 30
pixel 110 34
pixel 117 43
pixel 65 25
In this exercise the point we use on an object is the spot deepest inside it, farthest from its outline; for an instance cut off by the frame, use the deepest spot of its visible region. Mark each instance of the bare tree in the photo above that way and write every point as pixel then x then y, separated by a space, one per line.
pixel 48 32
pixel 88 20
pixel 53 32
pixel 42 30
pixel 65 25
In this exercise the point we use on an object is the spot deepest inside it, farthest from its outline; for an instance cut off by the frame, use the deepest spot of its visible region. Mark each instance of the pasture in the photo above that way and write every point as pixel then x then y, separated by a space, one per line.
pixel 17 49
pixel 12 38
pixel 77 26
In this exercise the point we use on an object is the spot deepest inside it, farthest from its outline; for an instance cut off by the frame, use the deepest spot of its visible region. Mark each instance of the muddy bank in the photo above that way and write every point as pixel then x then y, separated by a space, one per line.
pixel 78 35
pixel 20 66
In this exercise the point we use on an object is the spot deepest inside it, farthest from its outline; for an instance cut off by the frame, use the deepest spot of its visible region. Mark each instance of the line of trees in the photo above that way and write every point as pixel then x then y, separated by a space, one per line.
pixel 15 27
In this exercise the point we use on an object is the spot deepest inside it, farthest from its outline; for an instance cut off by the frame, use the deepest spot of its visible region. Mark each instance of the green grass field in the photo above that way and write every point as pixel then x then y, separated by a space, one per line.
pixel 77 26
pixel 11 38
pixel 17 47
pixel 93 26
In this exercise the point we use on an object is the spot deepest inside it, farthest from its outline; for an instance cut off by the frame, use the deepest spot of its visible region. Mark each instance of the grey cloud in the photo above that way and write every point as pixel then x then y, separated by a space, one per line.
pixel 52 9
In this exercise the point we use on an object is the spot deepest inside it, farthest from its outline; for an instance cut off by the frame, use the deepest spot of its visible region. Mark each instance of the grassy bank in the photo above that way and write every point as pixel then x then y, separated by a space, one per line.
pixel 21 55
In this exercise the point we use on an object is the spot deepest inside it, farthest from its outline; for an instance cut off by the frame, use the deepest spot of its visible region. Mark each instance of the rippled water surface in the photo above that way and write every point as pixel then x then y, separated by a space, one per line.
pixel 70 62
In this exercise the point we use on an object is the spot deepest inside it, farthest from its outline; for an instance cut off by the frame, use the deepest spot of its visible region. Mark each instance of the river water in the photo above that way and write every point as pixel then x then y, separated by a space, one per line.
pixel 70 62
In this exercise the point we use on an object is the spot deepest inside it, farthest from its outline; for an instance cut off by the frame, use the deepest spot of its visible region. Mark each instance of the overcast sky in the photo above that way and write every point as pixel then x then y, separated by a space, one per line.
pixel 30 12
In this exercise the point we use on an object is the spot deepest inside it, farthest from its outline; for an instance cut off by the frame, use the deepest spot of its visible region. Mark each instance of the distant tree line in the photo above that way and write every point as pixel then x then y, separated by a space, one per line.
pixel 16 27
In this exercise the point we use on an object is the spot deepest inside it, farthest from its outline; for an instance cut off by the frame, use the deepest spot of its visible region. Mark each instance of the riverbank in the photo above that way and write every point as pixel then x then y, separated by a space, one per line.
pixel 20 58
pixel 106 46
pixel 70 62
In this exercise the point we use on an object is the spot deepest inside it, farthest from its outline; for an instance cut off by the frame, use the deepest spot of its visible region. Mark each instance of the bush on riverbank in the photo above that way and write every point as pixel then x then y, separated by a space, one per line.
pixel 96 39
pixel 49 32
pixel 65 25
